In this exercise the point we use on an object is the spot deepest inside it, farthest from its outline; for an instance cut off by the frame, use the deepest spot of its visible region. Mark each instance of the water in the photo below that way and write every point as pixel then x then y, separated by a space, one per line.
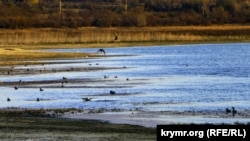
pixel 202 77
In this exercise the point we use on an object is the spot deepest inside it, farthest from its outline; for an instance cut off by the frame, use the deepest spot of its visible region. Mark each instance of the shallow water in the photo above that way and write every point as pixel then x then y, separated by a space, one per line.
pixel 198 77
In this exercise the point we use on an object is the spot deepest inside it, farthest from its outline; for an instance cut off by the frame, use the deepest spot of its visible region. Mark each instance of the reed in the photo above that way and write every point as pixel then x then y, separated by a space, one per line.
pixel 92 35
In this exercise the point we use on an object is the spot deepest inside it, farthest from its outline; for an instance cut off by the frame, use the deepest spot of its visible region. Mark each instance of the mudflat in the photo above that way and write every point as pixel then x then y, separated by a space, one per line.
pixel 32 125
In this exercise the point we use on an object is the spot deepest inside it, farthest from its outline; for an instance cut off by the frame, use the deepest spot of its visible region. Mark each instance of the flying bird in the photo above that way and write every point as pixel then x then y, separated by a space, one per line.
pixel 101 50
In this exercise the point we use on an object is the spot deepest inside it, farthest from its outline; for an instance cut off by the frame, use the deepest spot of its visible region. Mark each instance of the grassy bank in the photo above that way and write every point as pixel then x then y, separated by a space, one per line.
pixel 14 126
pixel 92 35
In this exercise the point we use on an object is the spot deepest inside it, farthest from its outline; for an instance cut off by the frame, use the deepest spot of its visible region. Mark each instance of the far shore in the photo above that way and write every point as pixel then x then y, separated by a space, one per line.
pixel 121 36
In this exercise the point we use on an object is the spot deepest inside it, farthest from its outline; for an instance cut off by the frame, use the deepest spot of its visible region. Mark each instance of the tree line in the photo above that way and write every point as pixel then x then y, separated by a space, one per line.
pixel 16 14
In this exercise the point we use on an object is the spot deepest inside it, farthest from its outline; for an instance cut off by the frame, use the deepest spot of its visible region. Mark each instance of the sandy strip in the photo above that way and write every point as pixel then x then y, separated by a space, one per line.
pixel 152 119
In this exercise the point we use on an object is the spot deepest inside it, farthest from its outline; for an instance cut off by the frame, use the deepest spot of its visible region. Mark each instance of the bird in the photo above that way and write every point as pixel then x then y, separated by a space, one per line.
pixel 228 110
pixel 8 99
pixel 116 36
pixel 16 88
pixel 112 92
pixel 65 79
pixel 41 89
pixel 105 76
pixel 127 79
pixel 101 50
pixel 38 99
pixel 233 111
pixel 86 99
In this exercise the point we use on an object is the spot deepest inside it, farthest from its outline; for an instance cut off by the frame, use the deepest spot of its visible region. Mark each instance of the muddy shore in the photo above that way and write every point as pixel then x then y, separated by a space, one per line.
pixel 28 125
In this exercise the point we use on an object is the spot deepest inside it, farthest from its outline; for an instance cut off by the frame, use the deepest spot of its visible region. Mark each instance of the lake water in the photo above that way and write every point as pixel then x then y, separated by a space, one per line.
pixel 200 77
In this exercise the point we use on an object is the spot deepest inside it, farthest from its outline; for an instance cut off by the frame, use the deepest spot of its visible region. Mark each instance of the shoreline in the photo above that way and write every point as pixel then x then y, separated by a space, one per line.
pixel 16 125
pixel 112 45
pixel 145 119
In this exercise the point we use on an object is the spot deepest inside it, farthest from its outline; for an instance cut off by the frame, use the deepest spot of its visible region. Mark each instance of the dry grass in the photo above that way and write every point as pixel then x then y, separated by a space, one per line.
pixel 125 35
pixel 22 45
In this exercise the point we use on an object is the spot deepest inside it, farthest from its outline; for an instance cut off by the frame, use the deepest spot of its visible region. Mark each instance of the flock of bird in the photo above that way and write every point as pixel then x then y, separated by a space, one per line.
pixel 65 80
pixel 232 110
pixel 111 92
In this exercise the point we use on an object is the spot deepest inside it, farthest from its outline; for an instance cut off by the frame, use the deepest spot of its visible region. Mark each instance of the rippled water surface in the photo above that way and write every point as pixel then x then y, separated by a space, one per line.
pixel 161 78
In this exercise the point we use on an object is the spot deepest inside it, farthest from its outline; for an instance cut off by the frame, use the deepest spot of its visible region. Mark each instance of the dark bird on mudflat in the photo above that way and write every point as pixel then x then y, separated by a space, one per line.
pixel 41 89
pixel 38 99
pixel 8 99
pixel 228 110
pixel 86 99
pixel 112 92
pixel 16 88
pixel 65 79
pixel 233 111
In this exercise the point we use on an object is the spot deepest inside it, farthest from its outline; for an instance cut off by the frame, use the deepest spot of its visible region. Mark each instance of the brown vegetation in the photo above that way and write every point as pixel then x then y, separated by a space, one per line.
pixel 94 35
pixel 117 13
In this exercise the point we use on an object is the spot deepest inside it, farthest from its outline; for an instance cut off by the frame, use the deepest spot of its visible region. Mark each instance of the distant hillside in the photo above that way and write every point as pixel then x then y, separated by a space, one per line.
pixel 18 14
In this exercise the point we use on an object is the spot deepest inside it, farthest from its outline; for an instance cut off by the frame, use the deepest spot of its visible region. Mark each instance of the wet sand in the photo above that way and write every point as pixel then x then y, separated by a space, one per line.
pixel 28 124
pixel 100 124
pixel 154 118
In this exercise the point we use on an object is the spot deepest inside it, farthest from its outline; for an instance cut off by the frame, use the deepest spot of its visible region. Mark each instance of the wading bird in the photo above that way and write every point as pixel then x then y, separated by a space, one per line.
pixel 228 110
pixel 233 111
